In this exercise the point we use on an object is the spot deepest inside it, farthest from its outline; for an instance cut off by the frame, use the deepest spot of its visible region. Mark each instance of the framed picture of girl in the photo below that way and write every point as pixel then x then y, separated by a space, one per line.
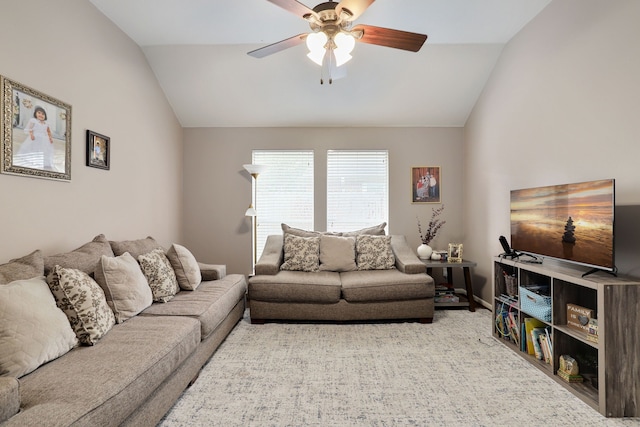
pixel 98 150
pixel 426 184
pixel 35 129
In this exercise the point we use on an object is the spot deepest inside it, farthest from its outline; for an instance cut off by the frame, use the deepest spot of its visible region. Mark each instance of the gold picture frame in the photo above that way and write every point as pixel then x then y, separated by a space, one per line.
pixel 455 252
pixel 425 184
pixel 35 132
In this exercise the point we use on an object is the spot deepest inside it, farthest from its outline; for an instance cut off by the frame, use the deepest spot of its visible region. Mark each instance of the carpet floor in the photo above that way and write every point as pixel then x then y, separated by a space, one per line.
pixel 449 373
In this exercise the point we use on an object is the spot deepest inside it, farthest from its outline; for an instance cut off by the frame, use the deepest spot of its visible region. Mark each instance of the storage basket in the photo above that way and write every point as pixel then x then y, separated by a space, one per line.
pixel 536 305
pixel 511 283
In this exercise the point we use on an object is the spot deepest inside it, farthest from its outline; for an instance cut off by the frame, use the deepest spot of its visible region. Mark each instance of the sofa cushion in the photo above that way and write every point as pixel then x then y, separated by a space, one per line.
pixel 337 253
pixel 386 285
pixel 296 286
pixel 160 275
pixel 209 304
pixel 27 267
pixel 301 253
pixel 103 384
pixel 33 330
pixel 286 229
pixel 374 252
pixel 376 230
pixel 85 258
pixel 185 266
pixel 84 303
pixel 125 287
pixel 134 247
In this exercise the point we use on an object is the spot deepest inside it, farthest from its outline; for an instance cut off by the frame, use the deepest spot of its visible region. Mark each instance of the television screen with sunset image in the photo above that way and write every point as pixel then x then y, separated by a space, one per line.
pixel 573 222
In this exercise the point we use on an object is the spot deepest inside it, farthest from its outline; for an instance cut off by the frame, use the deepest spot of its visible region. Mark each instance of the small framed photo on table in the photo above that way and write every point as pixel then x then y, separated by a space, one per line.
pixel 455 252
pixel 98 150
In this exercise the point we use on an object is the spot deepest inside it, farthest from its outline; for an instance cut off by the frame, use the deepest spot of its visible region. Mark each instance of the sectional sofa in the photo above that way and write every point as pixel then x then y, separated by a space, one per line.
pixel 67 358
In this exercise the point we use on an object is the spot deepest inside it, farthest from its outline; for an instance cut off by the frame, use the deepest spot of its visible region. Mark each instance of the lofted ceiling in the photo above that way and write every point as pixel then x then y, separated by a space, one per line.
pixel 198 52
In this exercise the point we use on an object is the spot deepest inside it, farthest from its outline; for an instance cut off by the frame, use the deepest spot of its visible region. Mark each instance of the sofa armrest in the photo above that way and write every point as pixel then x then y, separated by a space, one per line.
pixel 406 260
pixel 212 271
pixel 272 256
pixel 9 397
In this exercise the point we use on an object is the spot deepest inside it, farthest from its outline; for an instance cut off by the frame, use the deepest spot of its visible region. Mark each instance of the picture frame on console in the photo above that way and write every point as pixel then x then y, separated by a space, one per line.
pixel 98 150
pixel 35 129
pixel 455 252
pixel 426 184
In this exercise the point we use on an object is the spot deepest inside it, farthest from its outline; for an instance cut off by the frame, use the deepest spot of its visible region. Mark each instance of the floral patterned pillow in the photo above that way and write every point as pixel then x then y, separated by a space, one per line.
pixel 162 279
pixel 374 253
pixel 301 253
pixel 84 303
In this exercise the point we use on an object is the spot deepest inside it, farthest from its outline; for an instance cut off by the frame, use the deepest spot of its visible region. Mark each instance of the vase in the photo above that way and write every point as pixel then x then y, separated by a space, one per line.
pixel 424 251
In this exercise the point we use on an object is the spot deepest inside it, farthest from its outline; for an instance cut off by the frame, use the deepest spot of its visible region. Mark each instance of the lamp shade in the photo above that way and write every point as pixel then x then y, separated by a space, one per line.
pixel 251 211
pixel 254 169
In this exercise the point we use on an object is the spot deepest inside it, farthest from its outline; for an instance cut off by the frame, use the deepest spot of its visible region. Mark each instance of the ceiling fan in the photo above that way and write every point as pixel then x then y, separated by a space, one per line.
pixel 333 36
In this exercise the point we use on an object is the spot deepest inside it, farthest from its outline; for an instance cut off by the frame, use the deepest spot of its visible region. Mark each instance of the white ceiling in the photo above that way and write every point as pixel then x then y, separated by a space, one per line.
pixel 197 49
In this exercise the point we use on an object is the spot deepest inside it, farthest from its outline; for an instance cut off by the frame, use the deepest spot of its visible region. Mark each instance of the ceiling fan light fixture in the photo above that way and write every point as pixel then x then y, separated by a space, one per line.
pixel 316 41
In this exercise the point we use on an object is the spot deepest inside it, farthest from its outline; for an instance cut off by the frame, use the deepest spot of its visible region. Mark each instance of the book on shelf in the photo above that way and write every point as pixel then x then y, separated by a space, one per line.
pixel 531 323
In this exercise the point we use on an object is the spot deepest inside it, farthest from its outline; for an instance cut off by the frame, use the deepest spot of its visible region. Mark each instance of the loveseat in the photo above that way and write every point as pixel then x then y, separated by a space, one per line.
pixel 360 275
pixel 125 362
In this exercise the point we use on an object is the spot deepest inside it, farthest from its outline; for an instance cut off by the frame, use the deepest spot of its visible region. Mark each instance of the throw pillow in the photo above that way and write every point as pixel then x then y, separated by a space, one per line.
pixel 185 266
pixel 33 330
pixel 135 247
pixel 299 232
pixel 85 258
pixel 125 287
pixel 84 303
pixel 301 253
pixel 377 230
pixel 337 253
pixel 27 267
pixel 160 275
pixel 374 252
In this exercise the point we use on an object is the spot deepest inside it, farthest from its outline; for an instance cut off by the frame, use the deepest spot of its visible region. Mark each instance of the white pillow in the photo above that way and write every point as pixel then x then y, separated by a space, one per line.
pixel 33 330
pixel 125 287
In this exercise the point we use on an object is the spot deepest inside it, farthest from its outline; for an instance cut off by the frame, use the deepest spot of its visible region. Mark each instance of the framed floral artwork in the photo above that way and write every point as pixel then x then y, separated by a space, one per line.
pixel 426 184
pixel 35 129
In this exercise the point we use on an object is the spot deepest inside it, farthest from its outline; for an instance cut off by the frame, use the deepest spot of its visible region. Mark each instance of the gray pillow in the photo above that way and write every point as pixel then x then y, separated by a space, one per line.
pixel 185 266
pixel 135 247
pixel 33 330
pixel 125 287
pixel 85 258
pixel 27 267
pixel 160 275
pixel 301 253
pixel 374 252
pixel 299 232
pixel 337 253
pixel 376 230
pixel 84 303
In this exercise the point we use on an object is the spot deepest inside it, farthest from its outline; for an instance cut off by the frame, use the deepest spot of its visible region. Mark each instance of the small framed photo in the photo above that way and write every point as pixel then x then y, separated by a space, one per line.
pixel 426 184
pixel 98 150
pixel 455 252
pixel 35 129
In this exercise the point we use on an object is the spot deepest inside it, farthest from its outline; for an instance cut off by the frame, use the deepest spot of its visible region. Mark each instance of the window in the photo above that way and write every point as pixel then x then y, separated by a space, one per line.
pixel 284 192
pixel 357 189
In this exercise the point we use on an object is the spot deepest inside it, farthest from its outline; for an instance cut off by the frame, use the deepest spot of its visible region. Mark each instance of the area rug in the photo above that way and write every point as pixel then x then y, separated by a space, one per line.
pixel 449 373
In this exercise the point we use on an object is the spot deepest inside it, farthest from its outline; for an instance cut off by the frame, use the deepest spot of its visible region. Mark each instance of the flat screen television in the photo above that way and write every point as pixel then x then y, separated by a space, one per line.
pixel 572 222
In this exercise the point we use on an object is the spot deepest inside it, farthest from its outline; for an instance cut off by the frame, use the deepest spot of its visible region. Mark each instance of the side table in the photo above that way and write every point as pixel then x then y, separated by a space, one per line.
pixel 466 265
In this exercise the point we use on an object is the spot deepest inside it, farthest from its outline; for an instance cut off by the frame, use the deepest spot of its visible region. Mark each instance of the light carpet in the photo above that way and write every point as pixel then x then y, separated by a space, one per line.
pixel 449 373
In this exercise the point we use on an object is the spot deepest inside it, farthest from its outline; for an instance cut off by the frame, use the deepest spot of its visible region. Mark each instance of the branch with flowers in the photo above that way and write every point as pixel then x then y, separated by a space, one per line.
pixel 434 225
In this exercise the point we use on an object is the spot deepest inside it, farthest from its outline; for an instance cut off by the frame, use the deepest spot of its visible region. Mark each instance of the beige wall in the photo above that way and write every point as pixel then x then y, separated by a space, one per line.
pixel 218 190
pixel 67 49
pixel 561 106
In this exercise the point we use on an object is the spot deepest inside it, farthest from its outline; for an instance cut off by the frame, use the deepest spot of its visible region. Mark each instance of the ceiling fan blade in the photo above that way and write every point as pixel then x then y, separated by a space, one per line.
pixel 278 46
pixel 391 38
pixel 355 7
pixel 294 7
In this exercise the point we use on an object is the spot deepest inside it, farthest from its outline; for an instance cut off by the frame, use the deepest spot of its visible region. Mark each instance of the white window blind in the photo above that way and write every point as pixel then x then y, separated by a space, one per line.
pixel 284 192
pixel 357 189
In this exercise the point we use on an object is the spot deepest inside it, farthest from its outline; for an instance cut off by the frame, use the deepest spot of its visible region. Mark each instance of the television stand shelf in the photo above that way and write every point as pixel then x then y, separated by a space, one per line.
pixel 610 366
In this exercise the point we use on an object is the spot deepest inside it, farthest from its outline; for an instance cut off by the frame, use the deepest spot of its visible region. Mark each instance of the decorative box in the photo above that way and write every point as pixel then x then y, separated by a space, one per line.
pixel 534 304
pixel 578 317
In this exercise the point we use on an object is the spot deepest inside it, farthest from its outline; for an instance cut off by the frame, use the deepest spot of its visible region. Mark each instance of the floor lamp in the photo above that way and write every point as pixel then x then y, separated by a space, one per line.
pixel 254 170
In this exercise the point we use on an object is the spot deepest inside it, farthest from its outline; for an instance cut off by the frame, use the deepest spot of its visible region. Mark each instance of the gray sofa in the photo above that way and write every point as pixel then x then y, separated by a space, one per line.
pixel 139 368
pixel 404 291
